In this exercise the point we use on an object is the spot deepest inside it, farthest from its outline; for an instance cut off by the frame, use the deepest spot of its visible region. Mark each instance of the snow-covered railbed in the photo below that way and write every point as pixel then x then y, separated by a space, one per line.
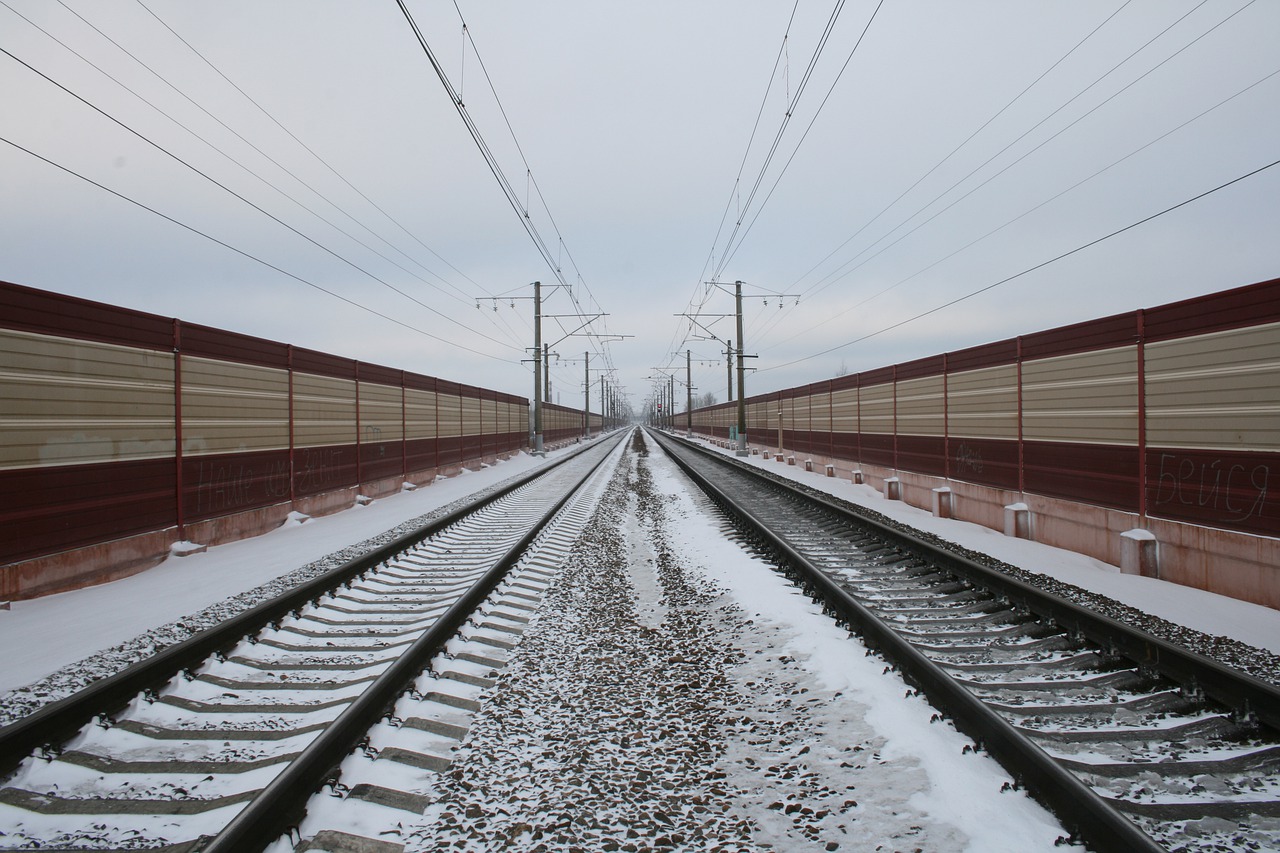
pixel 959 626
pixel 179 763
pixel 675 693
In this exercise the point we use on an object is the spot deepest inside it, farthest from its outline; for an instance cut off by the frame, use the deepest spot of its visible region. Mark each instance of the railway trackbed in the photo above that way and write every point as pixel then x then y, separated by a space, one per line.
pixel 217 743
pixel 1133 742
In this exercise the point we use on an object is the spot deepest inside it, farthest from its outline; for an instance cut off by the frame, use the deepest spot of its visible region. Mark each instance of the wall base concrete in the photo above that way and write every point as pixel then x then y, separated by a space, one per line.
pixel 120 558
pixel 1237 565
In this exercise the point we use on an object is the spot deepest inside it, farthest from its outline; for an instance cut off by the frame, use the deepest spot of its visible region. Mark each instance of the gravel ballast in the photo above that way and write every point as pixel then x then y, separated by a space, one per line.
pixel 646 710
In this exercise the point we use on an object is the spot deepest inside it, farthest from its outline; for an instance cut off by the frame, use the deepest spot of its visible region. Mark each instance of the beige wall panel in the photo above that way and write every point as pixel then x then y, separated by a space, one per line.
pixel 66 402
pixel 1088 397
pixel 381 411
pixel 761 416
pixel 420 413
pixel 233 408
pixel 801 412
pixel 324 410
pixel 519 418
pixel 844 410
pixel 921 406
pixel 820 412
pixel 492 424
pixel 1219 391
pixel 471 423
pixel 983 403
pixel 877 408
pixel 450 409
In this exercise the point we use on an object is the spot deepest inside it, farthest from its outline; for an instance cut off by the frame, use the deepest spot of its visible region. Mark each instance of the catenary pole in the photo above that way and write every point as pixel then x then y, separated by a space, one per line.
pixel 742 408
pixel 537 368
pixel 728 367
pixel 688 385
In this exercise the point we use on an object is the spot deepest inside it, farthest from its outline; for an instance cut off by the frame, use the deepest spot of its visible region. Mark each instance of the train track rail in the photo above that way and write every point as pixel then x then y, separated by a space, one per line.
pixel 217 743
pixel 1135 743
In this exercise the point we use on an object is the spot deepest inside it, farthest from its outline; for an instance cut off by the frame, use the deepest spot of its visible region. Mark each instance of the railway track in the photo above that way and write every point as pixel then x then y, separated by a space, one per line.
pixel 216 744
pixel 1134 743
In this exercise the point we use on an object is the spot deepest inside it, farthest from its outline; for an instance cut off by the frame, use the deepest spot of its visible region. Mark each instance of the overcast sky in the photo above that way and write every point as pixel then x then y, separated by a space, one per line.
pixel 960 145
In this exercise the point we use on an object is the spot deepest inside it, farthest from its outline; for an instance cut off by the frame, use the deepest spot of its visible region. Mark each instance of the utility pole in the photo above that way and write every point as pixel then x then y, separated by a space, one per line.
pixel 688 383
pixel 728 366
pixel 537 369
pixel 671 401
pixel 546 376
pixel 742 407
pixel 586 396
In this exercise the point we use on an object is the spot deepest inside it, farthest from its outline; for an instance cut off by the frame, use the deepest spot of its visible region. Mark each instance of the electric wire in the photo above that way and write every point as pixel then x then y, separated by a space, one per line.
pixel 764 100
pixel 830 279
pixel 732 250
pixel 531 180
pixel 216 149
pixel 965 142
pixel 731 246
pixel 1030 269
pixel 786 121
pixel 495 168
pixel 1029 211
pixel 245 254
pixel 845 269
pixel 242 198
pixel 327 165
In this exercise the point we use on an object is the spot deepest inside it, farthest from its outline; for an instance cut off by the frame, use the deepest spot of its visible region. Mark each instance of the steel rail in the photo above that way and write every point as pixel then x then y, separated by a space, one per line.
pixel 1248 696
pixel 279 805
pixel 60 720
pixel 1079 808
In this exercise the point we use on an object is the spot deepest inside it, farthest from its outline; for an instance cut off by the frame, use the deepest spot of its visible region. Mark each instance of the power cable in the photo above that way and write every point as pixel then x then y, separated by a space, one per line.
pixel 777 139
pixel 732 250
pixel 600 347
pixel 491 160
pixel 690 307
pixel 966 141
pixel 242 198
pixel 459 293
pixel 1028 270
pixel 841 271
pixel 1031 210
pixel 245 254
pixel 845 270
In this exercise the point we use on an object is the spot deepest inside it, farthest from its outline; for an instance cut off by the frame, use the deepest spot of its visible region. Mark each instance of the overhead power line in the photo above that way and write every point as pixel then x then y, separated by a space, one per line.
pixel 552 260
pixel 833 317
pixel 846 269
pixel 269 116
pixel 1028 270
pixel 245 254
pixel 242 198
pixel 731 248
pixel 231 159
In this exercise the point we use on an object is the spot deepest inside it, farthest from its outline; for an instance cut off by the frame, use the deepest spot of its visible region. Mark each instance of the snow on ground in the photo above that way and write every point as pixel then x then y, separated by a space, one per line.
pixel 54 631
pixel 961 789
pixel 676 693
pixel 42 635
pixel 1210 613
